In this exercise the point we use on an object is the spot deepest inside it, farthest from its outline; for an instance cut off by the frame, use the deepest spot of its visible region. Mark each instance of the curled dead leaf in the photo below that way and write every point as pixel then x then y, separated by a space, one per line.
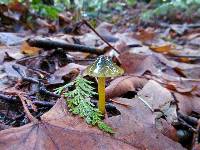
pixel 124 84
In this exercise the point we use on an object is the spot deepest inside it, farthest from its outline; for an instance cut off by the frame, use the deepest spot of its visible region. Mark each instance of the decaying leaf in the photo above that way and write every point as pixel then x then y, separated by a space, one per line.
pixel 159 98
pixel 138 64
pixel 27 49
pixel 71 70
pixel 124 84
pixel 162 49
pixel 136 126
pixel 68 68
pixel 188 103
pixel 58 129
pixel 145 35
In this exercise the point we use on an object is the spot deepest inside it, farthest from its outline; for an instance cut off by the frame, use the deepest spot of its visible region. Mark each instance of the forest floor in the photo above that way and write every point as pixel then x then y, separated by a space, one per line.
pixel 154 105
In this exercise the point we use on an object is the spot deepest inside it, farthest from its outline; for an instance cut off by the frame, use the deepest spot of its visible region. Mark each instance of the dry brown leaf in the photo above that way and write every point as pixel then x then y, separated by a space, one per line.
pixel 59 130
pixel 27 49
pixel 188 103
pixel 145 35
pixel 122 85
pixel 179 84
pixel 136 126
pixel 138 64
pixel 70 71
pixel 189 70
pixel 168 72
pixel 68 68
pixel 159 98
pixel 162 49
pixel 183 90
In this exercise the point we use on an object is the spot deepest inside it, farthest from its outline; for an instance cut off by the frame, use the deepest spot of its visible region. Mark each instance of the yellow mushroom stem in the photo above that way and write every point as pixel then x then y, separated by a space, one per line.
pixel 101 91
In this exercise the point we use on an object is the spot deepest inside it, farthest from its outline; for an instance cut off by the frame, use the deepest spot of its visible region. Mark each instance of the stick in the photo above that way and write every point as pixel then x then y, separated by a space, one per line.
pixel 29 115
pixel 52 44
pixel 116 102
pixel 44 103
pixel 15 99
pixel 43 90
pixel 8 99
pixel 190 120
pixel 86 23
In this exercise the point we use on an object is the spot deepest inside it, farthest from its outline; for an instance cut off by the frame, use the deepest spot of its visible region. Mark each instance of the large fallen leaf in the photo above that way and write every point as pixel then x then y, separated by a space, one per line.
pixel 159 98
pixel 124 84
pixel 179 84
pixel 157 64
pixel 166 71
pixel 136 126
pixel 188 103
pixel 138 64
pixel 59 130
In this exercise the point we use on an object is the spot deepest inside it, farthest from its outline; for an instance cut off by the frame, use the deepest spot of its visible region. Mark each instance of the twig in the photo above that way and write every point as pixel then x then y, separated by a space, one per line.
pixel 184 123
pixel 185 56
pixel 146 104
pixel 22 98
pixel 44 103
pixel 43 90
pixel 18 70
pixel 29 115
pixel 52 44
pixel 15 99
pixel 114 101
pixel 190 120
pixel 9 99
pixel 86 23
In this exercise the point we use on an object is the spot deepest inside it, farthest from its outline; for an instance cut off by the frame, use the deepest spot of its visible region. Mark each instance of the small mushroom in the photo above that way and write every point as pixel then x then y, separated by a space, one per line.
pixel 103 67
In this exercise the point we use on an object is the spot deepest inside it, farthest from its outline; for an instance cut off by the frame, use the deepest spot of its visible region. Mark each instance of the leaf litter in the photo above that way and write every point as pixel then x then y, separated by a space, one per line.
pixel 157 98
pixel 58 129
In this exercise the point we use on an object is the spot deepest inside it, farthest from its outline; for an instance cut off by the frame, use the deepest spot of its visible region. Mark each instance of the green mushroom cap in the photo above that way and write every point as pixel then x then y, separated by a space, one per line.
pixel 103 67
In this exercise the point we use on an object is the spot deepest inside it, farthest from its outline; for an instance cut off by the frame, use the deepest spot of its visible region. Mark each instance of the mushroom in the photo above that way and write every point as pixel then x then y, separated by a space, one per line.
pixel 103 67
